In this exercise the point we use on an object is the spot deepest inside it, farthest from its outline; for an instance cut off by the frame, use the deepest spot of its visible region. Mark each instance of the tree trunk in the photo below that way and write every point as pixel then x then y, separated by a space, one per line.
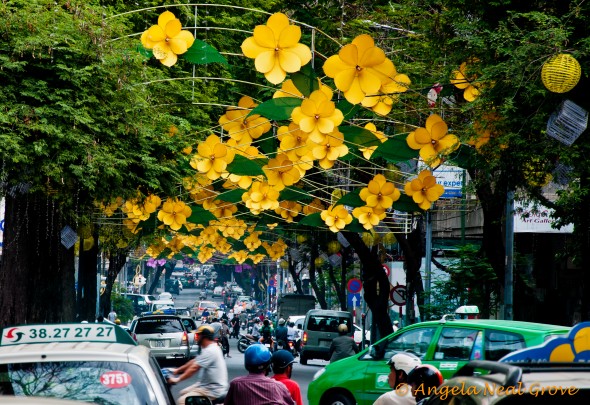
pixel 87 281
pixel 375 284
pixel 117 260
pixel 156 280
pixel 37 271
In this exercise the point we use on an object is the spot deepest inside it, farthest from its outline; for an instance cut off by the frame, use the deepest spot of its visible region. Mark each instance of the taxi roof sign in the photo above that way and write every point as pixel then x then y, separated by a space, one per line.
pixel 467 310
pixel 66 332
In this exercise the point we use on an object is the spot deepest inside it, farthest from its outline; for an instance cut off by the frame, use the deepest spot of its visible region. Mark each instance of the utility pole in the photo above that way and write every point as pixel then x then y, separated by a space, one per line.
pixel 508 271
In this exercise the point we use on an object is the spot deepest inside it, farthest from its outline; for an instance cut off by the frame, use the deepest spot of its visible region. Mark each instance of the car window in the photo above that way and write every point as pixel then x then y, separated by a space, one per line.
pixel 455 344
pixel 499 343
pixel 189 324
pixel 158 325
pixel 326 323
pixel 207 304
pixel 101 382
pixel 414 341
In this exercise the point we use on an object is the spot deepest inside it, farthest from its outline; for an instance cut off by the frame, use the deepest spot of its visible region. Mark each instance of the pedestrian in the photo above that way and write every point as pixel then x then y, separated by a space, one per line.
pixel 400 365
pixel 216 325
pixel 224 337
pixel 424 380
pixel 212 379
pixel 342 346
pixel 256 388
pixel 112 315
pixel 235 324
pixel 282 367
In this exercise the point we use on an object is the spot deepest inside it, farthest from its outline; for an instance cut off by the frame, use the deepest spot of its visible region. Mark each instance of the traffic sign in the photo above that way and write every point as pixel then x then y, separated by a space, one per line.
pixel 272 282
pixel 354 300
pixel 272 290
pixel 398 295
pixel 386 269
pixel 354 285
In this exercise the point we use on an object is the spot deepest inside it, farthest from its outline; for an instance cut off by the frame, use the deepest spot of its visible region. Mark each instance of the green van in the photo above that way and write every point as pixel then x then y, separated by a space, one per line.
pixel 447 344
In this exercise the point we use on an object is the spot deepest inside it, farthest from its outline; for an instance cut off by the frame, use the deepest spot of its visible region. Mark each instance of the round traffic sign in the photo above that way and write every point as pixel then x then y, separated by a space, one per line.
pixel 271 282
pixel 398 295
pixel 354 285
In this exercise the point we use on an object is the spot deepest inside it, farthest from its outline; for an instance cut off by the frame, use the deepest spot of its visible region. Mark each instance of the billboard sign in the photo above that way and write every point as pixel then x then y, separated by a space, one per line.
pixel 530 219
pixel 451 178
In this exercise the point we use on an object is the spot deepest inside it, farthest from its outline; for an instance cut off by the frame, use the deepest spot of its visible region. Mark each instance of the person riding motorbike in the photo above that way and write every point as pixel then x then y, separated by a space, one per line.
pixel 281 335
pixel 266 334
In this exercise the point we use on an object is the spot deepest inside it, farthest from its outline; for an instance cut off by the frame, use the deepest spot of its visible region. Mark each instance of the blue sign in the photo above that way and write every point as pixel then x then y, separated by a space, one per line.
pixel 272 290
pixel 350 300
pixel 272 282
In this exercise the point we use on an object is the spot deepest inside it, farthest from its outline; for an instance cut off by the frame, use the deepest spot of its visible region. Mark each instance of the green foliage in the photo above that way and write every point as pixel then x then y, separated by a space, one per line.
pixel 278 109
pixel 203 53
pixel 123 307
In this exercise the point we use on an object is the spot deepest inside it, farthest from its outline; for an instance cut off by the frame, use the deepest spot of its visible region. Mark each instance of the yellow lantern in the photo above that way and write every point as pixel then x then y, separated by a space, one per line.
pixel 561 73
pixel 284 264
pixel 301 238
pixel 368 239
pixel 389 239
pixel 318 261
pixel 333 246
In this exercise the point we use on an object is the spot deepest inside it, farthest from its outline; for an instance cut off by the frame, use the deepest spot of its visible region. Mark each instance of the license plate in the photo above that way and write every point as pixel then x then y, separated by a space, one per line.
pixel 325 343
pixel 159 343
pixel 267 345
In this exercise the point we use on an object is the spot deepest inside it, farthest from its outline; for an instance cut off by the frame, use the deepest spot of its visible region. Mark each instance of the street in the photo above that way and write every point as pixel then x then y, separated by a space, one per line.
pixel 235 365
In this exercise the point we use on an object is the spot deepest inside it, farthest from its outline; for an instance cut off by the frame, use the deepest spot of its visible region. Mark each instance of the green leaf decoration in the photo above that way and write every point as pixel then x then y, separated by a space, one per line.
pixel 355 226
pixel 236 244
pixel 147 53
pixel 312 220
pixel 306 80
pixel 463 157
pixel 351 199
pixel 349 110
pixel 395 150
pixel 201 53
pixel 268 145
pixel 200 216
pixel 294 194
pixel 242 166
pixel 278 109
pixel 359 137
pixel 406 204
pixel 231 196
pixel 148 226
pixel 187 251
pixel 164 254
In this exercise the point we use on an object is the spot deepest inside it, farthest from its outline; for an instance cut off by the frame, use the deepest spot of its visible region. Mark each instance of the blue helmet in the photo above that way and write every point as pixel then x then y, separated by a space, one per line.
pixel 257 358
pixel 281 359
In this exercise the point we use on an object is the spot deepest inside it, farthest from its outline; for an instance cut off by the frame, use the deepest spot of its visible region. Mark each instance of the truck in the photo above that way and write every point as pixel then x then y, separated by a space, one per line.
pixel 294 304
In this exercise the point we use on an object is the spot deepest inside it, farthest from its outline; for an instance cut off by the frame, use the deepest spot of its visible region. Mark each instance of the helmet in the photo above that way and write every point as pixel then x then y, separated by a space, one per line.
pixel 205 331
pixel 395 322
pixel 257 358
pixel 342 328
pixel 404 361
pixel 281 321
pixel 281 359
pixel 426 377
pixel 117 321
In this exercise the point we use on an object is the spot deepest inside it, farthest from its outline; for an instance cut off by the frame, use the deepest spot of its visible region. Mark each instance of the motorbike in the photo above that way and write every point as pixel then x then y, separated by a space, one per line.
pixel 245 341
pixel 193 399
pixel 290 346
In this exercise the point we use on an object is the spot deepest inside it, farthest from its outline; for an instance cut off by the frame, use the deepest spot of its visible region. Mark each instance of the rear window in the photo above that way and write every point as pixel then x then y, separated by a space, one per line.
pixel 99 382
pixel 499 343
pixel 207 304
pixel 326 323
pixel 158 325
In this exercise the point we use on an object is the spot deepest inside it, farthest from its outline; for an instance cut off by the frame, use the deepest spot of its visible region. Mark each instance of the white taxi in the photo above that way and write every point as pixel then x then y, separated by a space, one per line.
pixel 88 362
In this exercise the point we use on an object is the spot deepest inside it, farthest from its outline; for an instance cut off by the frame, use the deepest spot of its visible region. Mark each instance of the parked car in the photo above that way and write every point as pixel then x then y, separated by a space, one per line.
pixel 447 344
pixel 319 329
pixel 164 335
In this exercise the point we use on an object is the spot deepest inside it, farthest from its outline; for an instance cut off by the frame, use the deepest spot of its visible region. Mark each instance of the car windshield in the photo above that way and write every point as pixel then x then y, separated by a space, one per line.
pixel 158 325
pixel 99 382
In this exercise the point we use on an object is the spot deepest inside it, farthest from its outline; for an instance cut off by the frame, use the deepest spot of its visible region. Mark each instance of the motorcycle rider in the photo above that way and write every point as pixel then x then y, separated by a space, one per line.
pixel 400 365
pixel 282 367
pixel 212 379
pixel 256 329
pixel 281 335
pixel 266 333
pixel 293 336
pixel 342 346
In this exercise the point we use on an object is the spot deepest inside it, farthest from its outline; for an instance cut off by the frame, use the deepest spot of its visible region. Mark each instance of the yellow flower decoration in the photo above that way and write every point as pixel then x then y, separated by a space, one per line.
pixel 380 194
pixel 330 149
pixel 288 89
pixel 317 115
pixel 293 140
pixel 276 250
pixel 466 82
pixel 288 210
pixel 281 172
pixel 252 242
pixel 221 209
pixel 382 102
pixel 313 207
pixel 212 157
pixel 240 126
pixel 240 256
pixel 205 253
pixel 110 208
pixel 336 218
pixel 433 140
pixel 256 258
pixel 368 216
pixel 275 48
pixel 174 213
pixel 424 190
pixel 368 151
pixel 167 39
pixel 360 68
pixel 261 196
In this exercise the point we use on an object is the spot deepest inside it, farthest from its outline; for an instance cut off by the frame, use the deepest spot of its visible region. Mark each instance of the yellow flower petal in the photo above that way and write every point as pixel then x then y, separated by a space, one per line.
pixel 251 48
pixel 265 61
pixel 289 36
pixel 277 23
pixel 355 93
pixel 276 75
pixel 289 61
pixel 344 79
pixel 265 37
pixel 422 136
pixel 334 65
pixel 173 28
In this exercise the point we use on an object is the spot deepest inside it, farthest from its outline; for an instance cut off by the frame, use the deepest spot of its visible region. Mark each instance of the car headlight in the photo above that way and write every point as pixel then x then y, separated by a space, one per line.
pixel 318 373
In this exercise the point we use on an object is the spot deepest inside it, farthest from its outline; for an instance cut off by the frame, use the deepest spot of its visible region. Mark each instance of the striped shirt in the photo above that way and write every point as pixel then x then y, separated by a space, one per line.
pixel 257 389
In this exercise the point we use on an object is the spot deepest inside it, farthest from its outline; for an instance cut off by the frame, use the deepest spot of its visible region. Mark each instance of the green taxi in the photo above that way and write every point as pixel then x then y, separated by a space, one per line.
pixel 447 344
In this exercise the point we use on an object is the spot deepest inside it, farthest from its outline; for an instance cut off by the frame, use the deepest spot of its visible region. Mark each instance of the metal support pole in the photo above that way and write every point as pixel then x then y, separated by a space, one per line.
pixel 508 275
pixel 428 260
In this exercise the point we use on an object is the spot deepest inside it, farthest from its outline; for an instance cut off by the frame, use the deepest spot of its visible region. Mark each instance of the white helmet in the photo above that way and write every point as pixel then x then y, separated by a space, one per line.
pixel 404 361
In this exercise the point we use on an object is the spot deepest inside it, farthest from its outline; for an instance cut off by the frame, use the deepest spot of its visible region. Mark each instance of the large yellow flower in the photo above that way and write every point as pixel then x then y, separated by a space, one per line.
pixel 368 216
pixel 288 210
pixel 382 102
pixel 360 68
pixel 433 140
pixel 330 149
pixel 261 197
pixel 380 194
pixel 464 81
pixel 240 126
pixel 368 151
pixel 252 241
pixel 313 207
pixel 317 115
pixel 275 48
pixel 167 39
pixel 281 172
pixel 174 213
pixel 424 190
pixel 336 218
pixel 212 157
